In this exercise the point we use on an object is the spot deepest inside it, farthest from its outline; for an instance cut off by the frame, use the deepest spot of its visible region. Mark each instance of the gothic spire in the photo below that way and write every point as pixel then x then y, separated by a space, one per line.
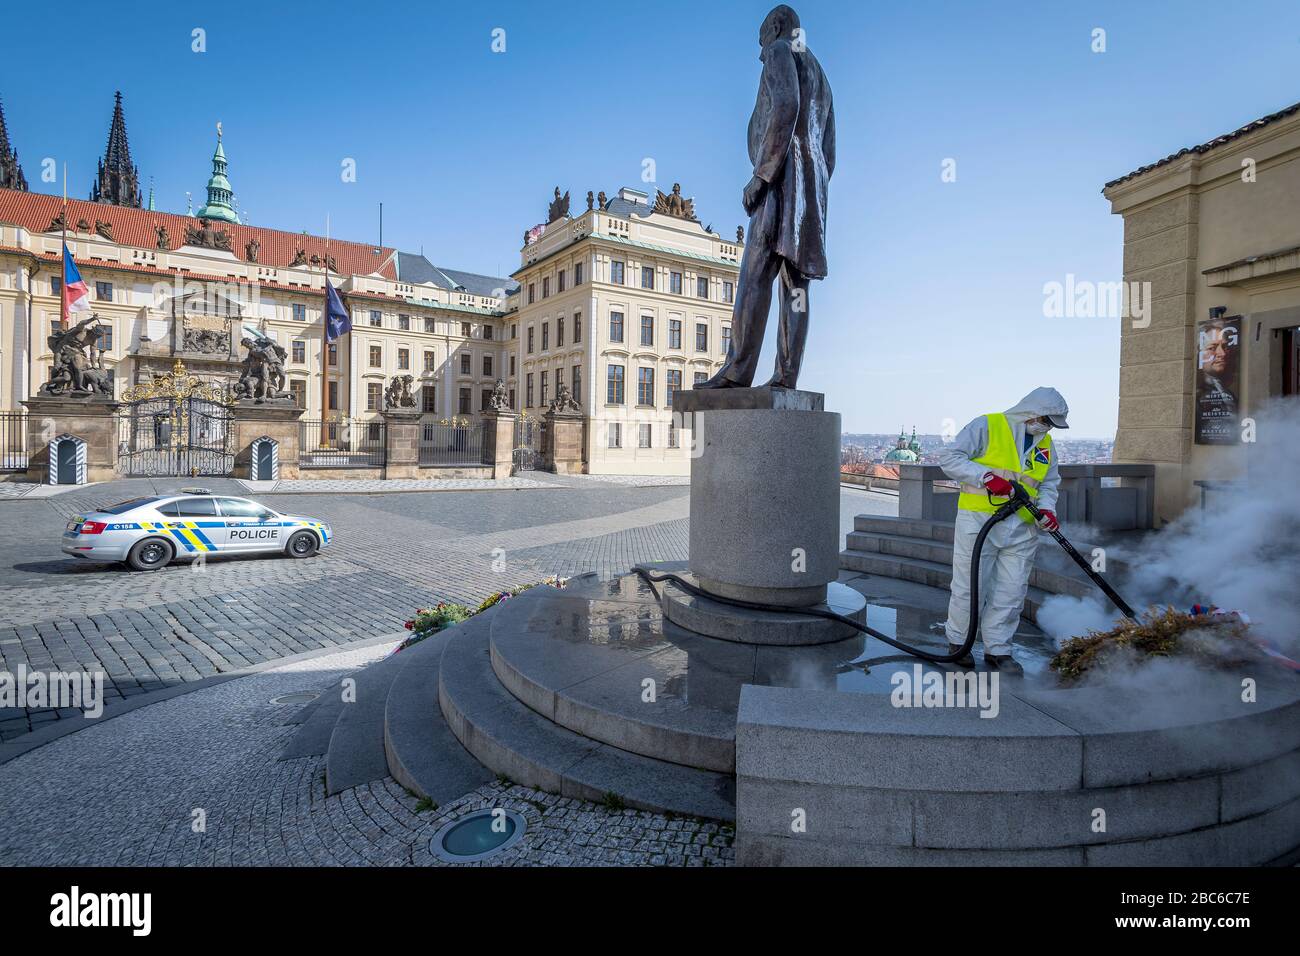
pixel 118 182
pixel 11 174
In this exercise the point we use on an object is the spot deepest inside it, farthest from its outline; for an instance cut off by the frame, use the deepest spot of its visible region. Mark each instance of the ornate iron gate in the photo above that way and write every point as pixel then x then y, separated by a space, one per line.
pixel 176 425
pixel 529 438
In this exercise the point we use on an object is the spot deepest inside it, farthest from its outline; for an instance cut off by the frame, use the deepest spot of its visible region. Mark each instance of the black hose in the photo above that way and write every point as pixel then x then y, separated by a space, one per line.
pixel 1005 511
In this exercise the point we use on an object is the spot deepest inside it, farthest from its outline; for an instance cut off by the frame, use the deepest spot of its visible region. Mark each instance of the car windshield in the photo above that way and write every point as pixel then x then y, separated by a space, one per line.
pixel 128 506
pixel 241 508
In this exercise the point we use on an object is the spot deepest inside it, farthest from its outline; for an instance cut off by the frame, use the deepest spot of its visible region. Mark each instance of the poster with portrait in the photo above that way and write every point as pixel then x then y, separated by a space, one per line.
pixel 1218 373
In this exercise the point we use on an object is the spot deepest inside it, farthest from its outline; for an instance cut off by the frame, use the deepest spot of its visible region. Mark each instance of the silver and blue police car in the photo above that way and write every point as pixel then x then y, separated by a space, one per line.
pixel 147 533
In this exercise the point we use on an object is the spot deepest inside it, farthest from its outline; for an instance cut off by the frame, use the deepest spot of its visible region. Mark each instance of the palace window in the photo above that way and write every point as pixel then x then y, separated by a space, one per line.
pixel 512 399
pixel 334 353
pixel 376 356
pixel 512 364
pixel 546 287
pixel 530 340
pixel 615 435
pixel 528 390
pixel 577 273
pixel 616 272
pixel 299 312
pixel 673 379
pixel 702 287
pixel 701 336
pixel 559 281
pixel 106 339
pixel 403 359
pixel 675 283
pixel 700 377
pixel 614 385
pixel 429 398
pixel 466 330
pixel 616 326
pixel 643 435
pixel 404 322
pixel 372 396
pixel 645 386
pixel 428 325
pixel 298 389
pixel 376 318
pixel 577 382
pixel 466 396
pixel 674 333
pixel 546 388
pixel 559 332
pixel 487 366
pixel 532 293
pixel 726 340
pixel 546 336
pixel 104 291
pixel 56 286
pixel 332 396
pixel 647 277
pixel 485 399
pixel 465 363
pixel 577 327
pixel 430 361
pixel 647 330
pixel 299 350
pixel 514 330
pixel 728 292
pixel 487 331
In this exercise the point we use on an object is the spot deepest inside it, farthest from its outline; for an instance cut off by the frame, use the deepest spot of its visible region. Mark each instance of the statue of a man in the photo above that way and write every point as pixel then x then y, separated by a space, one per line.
pixel 792 148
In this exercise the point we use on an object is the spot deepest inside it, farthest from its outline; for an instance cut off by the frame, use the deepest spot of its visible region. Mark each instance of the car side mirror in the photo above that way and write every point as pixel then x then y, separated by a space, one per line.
pixel 266 514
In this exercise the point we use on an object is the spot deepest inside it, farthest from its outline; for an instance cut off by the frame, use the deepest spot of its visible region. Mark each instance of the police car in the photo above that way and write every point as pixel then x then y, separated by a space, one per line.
pixel 147 533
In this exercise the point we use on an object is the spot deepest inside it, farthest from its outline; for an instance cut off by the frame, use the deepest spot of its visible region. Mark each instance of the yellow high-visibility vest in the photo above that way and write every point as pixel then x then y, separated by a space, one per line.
pixel 1004 459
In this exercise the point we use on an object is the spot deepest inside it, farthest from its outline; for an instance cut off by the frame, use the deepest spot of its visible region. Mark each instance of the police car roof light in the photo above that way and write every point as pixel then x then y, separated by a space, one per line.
pixel 196 491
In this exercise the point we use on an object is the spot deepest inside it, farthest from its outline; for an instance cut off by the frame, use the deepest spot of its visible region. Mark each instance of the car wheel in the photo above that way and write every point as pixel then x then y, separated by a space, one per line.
pixel 302 545
pixel 149 555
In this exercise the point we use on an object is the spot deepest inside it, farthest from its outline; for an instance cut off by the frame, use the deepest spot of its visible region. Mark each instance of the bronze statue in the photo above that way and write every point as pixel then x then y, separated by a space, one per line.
pixel 740 235
pixel 591 200
pixel 792 148
pixel 164 240
pixel 206 237
pixel 251 249
pixel 104 229
pixel 601 199
pixel 398 394
pixel 564 400
pixel 76 367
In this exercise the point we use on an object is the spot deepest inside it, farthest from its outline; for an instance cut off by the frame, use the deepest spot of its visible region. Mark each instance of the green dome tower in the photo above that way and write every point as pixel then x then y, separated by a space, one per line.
pixel 220 196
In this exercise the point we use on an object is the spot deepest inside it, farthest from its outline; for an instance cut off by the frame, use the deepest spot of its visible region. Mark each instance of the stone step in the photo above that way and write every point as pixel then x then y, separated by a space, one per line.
pixel 355 755
pixel 904 546
pixel 584 667
pixel 422 753
pixel 933 574
pixel 909 527
pixel 515 741
pixel 312 738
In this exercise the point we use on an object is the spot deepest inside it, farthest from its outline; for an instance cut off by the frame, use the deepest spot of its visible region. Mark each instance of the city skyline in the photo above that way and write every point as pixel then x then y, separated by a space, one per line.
pixel 461 176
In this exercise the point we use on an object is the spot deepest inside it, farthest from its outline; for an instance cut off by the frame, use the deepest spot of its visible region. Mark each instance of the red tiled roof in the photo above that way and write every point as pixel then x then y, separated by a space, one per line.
pixel 1206 147
pixel 136 227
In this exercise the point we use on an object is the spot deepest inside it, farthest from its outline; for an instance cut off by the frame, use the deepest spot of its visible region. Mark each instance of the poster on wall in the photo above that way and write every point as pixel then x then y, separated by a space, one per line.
pixel 1218 370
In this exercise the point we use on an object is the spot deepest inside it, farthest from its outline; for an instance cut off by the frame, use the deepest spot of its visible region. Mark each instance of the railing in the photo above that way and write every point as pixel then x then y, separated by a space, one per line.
pixel 13 441
pixel 451 445
pixel 1113 496
pixel 344 443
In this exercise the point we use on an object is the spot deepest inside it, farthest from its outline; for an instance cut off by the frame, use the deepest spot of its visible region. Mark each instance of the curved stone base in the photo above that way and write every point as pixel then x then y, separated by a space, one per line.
pixel 772 628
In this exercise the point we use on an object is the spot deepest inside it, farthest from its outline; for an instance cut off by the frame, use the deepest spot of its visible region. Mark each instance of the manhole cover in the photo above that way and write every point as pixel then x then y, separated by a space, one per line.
pixel 301 697
pixel 478 836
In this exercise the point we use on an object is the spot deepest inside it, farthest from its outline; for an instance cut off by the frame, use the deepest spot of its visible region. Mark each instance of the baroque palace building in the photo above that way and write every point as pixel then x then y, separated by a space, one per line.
pixel 623 303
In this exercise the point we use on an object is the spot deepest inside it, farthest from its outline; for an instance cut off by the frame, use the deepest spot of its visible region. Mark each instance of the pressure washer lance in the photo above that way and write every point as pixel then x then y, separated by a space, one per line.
pixel 1018 499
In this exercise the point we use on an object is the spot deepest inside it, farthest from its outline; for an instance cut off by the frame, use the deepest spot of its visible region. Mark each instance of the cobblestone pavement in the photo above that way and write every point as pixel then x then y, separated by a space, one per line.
pixel 197 780
pixel 391 554
pixel 352 486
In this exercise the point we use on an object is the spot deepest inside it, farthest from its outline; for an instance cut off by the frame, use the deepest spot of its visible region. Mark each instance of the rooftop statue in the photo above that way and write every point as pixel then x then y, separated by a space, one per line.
pixel 792 149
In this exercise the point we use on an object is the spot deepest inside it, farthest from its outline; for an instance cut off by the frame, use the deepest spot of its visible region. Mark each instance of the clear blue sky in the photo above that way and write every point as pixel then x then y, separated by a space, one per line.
pixel 933 308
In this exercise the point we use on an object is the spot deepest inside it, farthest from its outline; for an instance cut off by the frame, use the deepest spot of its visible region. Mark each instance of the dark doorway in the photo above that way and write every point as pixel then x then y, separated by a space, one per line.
pixel 1291 361
pixel 265 461
pixel 66 472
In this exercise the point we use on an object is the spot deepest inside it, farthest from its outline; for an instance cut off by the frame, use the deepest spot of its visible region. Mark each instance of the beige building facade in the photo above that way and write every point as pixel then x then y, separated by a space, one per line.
pixel 1213 234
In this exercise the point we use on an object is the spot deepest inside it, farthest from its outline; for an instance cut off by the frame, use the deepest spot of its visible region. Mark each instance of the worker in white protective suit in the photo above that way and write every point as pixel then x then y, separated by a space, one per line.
pixel 985 457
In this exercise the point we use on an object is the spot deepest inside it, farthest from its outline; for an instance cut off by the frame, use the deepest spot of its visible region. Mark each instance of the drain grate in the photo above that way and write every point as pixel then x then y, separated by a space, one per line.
pixel 299 697
pixel 479 835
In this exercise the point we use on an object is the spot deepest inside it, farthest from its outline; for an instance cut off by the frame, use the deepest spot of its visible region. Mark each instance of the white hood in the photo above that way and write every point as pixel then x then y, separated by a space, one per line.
pixel 1041 401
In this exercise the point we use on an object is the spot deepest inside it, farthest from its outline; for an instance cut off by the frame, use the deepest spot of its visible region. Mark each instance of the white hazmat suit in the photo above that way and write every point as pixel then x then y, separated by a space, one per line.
pixel 1008 553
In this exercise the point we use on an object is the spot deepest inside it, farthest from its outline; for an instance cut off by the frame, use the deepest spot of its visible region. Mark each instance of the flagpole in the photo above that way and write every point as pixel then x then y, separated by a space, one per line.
pixel 63 293
pixel 324 343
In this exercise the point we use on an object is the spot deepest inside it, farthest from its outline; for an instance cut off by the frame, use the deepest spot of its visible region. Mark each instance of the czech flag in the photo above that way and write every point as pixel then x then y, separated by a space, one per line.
pixel 76 298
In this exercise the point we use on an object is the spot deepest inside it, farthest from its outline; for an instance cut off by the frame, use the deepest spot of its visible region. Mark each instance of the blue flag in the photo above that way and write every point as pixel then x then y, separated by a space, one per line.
pixel 337 320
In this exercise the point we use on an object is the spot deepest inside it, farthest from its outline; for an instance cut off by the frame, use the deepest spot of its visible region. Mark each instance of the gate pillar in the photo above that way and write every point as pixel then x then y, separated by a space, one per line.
pixel 499 441
pixel 253 423
pixel 93 420
pixel 563 444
